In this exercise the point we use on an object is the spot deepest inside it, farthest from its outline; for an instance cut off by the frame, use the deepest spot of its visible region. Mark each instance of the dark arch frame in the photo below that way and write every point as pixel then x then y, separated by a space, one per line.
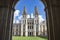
pixel 52 9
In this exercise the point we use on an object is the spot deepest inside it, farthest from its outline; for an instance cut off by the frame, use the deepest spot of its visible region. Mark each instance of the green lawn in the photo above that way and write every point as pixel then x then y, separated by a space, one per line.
pixel 28 38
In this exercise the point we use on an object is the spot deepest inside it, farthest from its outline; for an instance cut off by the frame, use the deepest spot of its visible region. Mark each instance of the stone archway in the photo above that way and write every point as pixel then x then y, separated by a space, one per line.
pixel 52 8
pixel 6 18
pixel 52 12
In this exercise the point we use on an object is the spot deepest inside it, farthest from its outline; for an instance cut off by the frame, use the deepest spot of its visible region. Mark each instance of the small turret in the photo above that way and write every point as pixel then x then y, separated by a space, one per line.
pixel 24 13
pixel 35 12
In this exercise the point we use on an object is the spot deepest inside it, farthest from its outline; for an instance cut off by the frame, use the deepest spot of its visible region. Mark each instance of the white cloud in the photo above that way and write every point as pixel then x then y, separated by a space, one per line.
pixel 19 17
pixel 17 21
pixel 32 15
pixel 16 13
pixel 41 18
pixel 28 16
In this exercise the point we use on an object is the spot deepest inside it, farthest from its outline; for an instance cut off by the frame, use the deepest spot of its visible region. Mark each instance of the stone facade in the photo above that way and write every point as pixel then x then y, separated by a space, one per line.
pixel 28 26
pixel 52 9
pixel 43 29
pixel 20 29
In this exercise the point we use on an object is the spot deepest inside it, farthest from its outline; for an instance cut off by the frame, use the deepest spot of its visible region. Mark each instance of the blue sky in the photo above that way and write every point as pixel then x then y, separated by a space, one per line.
pixel 30 7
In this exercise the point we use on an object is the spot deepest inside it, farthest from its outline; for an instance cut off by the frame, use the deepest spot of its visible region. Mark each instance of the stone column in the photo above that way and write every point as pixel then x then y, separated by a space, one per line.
pixel 26 29
pixel 5 19
pixel 34 30
pixel 53 19
pixel 5 22
pixel 39 29
pixel 21 29
pixel 11 23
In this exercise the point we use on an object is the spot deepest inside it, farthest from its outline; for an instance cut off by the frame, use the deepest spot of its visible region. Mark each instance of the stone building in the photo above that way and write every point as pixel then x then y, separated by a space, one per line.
pixel 27 26
pixel 52 9
pixel 43 29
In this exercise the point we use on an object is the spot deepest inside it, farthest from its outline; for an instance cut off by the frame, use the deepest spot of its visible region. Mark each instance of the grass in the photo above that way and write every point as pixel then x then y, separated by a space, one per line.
pixel 27 38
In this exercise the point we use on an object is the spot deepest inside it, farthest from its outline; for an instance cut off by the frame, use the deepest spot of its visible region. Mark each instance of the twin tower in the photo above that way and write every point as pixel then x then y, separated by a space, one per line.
pixel 24 13
pixel 30 26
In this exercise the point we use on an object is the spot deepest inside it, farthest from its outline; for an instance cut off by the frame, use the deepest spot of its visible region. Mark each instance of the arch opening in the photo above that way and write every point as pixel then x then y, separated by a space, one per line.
pixel 18 25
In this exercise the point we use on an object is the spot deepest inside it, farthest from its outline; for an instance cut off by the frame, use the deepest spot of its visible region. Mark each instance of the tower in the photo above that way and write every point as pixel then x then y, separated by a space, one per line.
pixel 35 12
pixel 24 23
pixel 36 22
pixel 24 13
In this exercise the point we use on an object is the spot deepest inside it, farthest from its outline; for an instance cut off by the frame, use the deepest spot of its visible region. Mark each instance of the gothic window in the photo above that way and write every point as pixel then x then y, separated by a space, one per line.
pixel 28 22
pixel 16 33
pixel 28 27
pixel 23 33
pixel 24 27
pixel 43 26
pixel 43 29
pixel 25 21
pixel 30 33
pixel 32 23
pixel 32 27
pixel 16 29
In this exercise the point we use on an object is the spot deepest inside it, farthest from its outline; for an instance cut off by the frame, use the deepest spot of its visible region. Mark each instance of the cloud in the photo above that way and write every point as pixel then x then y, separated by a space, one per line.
pixel 19 17
pixel 28 16
pixel 17 21
pixel 32 15
pixel 16 13
pixel 41 18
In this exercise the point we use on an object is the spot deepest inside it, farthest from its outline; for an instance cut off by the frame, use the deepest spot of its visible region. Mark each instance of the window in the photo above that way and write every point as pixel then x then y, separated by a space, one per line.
pixel 32 23
pixel 16 29
pixel 24 27
pixel 28 27
pixel 23 33
pixel 25 21
pixel 32 27
pixel 28 22
pixel 16 33
pixel 30 33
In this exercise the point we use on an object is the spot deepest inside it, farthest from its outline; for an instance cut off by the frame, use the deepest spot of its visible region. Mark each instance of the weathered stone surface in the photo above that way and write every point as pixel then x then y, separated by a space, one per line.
pixel 53 18
pixel 6 16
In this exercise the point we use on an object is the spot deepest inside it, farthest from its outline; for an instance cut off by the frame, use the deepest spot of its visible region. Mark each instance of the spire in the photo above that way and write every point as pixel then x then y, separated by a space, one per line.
pixel 24 11
pixel 35 11
pixel 30 15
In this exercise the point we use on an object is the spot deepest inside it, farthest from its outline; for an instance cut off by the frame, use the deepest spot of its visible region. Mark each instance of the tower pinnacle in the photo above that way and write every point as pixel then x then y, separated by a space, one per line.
pixel 24 11
pixel 35 11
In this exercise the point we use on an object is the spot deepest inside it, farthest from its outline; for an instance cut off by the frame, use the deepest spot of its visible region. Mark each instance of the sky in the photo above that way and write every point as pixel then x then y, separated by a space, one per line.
pixel 30 4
